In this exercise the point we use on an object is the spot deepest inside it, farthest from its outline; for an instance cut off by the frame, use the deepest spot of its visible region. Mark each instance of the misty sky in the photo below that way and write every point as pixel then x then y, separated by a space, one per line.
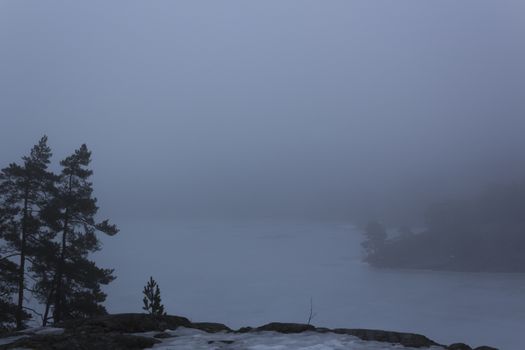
pixel 268 107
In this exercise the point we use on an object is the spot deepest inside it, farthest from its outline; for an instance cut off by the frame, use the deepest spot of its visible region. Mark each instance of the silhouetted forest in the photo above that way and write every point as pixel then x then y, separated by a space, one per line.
pixel 47 231
pixel 483 233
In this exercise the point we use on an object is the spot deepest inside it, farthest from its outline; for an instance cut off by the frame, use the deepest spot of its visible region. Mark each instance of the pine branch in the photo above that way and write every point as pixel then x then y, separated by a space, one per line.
pixel 33 310
pixel 9 256
pixel 30 259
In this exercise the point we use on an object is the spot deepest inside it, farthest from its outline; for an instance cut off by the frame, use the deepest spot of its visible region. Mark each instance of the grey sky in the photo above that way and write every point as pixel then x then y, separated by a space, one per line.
pixel 268 107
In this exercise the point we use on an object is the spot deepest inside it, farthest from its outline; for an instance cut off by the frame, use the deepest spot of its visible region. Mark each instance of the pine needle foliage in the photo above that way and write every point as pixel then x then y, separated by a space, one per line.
pixel 48 232
pixel 152 302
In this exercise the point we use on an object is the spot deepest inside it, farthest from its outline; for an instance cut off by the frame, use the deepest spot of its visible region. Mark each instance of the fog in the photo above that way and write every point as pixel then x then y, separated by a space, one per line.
pixel 258 109
pixel 251 272
pixel 242 146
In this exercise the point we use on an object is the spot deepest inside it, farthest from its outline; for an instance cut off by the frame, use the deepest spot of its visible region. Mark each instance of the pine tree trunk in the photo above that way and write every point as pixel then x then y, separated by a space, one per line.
pixel 48 302
pixel 57 312
pixel 46 313
pixel 21 271
pixel 59 292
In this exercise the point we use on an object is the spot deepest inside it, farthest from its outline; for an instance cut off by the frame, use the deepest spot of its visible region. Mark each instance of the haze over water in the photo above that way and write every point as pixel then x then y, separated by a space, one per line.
pixel 247 273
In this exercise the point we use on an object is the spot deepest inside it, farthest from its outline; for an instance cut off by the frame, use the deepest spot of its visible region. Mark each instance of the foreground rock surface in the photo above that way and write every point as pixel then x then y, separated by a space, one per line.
pixel 286 328
pixel 127 323
pixel 112 332
pixel 83 341
pixel 405 339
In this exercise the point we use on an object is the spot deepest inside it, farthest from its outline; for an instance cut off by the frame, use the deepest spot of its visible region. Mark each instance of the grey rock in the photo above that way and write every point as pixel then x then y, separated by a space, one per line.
pixel 459 346
pixel 244 330
pixel 210 327
pixel 127 323
pixel 286 327
pixel 101 341
pixel 405 339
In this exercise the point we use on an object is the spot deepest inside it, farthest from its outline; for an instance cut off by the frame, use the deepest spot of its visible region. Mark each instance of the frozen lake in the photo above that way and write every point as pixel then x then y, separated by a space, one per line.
pixel 246 273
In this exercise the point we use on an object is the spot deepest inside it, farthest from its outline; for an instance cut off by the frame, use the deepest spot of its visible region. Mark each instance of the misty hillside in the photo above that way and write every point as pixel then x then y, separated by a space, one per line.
pixel 483 233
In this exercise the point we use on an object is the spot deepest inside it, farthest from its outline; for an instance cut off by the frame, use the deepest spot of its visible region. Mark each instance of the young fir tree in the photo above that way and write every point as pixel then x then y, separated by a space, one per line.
pixel 69 283
pixel 152 302
pixel 23 193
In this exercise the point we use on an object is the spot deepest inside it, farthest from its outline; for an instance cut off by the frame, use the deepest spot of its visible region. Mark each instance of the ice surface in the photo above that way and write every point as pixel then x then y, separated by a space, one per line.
pixel 195 339
pixel 248 273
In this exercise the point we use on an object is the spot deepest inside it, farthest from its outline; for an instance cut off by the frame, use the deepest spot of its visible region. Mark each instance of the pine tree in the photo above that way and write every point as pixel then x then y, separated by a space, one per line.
pixel 68 282
pixel 152 302
pixel 8 278
pixel 23 191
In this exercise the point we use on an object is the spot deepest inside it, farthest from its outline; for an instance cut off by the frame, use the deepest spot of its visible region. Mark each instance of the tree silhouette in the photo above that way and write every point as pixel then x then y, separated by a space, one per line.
pixel 47 232
pixel 152 302
pixel 68 281
pixel 23 193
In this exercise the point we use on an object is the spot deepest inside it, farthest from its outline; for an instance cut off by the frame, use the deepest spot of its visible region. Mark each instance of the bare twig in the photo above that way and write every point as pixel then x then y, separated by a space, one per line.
pixel 312 314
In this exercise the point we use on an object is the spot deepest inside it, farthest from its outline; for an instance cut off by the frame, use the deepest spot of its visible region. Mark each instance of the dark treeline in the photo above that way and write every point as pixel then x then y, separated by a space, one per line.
pixel 484 233
pixel 47 231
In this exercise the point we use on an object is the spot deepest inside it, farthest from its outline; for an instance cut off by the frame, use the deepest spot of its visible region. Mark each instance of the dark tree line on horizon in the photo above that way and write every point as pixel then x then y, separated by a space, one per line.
pixel 484 233
pixel 47 231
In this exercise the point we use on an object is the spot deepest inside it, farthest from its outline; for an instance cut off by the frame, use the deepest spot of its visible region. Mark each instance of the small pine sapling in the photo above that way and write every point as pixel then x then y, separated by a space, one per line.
pixel 152 302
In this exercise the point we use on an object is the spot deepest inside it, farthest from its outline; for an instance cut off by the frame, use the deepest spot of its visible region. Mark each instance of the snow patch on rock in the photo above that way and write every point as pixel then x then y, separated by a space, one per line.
pixel 192 339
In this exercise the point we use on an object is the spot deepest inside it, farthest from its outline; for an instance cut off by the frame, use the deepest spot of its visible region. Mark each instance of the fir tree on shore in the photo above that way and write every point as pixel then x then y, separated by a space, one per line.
pixel 47 232
pixel 152 301
pixel 23 192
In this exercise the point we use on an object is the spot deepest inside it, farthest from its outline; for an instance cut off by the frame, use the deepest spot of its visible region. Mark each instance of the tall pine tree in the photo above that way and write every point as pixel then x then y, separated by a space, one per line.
pixel 68 281
pixel 23 193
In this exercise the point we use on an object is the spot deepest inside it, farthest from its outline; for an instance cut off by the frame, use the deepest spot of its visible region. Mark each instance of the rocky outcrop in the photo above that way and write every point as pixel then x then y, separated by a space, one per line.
pixel 128 323
pixel 459 346
pixel 113 332
pixel 83 341
pixel 244 330
pixel 104 332
pixel 405 339
pixel 210 327
pixel 286 327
